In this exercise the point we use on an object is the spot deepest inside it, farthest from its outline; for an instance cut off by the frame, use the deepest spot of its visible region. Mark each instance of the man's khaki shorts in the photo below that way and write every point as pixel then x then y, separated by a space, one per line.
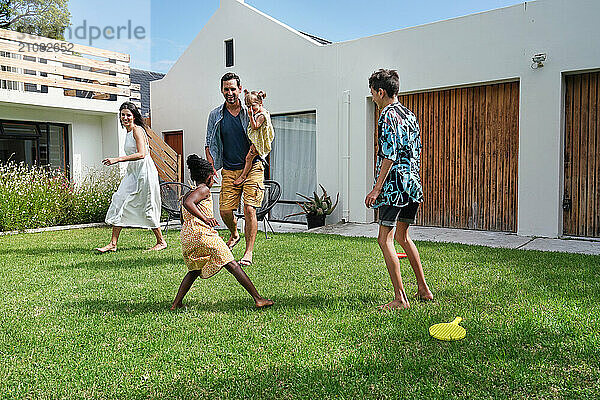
pixel 253 188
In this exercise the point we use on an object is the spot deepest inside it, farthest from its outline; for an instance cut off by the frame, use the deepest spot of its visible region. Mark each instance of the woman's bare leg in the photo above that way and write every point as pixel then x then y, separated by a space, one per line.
pixel 112 246
pixel 160 240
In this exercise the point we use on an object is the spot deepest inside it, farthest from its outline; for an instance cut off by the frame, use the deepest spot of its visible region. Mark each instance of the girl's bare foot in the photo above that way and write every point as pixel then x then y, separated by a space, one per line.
pixel 395 305
pixel 176 306
pixel 108 247
pixel 158 247
pixel 424 295
pixel 263 303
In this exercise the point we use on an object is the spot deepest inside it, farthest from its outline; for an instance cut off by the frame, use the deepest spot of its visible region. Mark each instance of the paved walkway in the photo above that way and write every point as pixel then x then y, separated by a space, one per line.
pixel 428 234
pixel 464 236
pixel 481 238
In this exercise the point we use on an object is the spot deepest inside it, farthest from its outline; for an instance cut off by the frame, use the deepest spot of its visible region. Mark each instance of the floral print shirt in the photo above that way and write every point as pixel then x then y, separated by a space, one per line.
pixel 399 141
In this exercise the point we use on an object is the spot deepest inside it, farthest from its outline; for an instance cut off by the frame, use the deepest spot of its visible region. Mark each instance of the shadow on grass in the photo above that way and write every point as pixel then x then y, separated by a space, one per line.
pixel 42 251
pixel 226 306
pixel 106 262
pixel 396 363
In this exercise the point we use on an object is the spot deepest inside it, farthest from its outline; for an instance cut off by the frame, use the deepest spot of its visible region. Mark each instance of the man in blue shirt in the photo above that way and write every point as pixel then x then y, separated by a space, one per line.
pixel 227 145
pixel 397 191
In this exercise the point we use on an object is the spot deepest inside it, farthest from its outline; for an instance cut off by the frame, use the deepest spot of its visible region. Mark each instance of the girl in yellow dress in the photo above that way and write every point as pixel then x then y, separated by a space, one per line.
pixel 260 131
pixel 204 252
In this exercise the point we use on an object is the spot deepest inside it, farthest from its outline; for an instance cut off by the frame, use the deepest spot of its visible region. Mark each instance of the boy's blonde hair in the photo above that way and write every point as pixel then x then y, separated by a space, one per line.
pixel 254 96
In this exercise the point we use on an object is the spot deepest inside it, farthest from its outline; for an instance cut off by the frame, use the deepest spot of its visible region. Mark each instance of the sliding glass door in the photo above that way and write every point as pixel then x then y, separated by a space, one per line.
pixel 294 161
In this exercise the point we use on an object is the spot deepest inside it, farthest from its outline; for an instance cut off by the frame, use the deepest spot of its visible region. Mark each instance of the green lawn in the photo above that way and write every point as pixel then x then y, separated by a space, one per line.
pixel 76 325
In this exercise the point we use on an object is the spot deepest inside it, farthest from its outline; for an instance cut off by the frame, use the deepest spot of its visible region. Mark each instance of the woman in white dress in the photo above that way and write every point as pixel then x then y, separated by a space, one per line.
pixel 136 203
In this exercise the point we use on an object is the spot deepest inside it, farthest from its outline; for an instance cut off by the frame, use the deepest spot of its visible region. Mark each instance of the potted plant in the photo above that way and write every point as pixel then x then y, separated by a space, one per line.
pixel 316 208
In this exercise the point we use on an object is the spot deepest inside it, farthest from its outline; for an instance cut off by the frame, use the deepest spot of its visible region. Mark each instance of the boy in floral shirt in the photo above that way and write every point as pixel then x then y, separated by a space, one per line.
pixel 397 191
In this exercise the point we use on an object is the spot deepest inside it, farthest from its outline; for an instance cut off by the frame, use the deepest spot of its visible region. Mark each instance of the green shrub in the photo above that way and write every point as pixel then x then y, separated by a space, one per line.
pixel 34 197
pixel 91 197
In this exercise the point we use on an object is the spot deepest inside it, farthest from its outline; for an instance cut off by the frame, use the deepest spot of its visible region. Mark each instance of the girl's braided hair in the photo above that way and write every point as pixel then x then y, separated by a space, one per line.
pixel 200 169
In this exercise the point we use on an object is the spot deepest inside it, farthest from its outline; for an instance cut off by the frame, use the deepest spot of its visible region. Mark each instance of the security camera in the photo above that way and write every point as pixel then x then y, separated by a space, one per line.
pixel 538 60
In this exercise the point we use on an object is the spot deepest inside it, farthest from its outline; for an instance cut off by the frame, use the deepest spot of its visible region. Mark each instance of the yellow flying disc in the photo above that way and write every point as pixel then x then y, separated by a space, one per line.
pixel 448 331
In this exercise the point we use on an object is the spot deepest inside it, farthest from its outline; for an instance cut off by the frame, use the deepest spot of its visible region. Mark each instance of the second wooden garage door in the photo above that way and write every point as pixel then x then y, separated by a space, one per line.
pixel 469 164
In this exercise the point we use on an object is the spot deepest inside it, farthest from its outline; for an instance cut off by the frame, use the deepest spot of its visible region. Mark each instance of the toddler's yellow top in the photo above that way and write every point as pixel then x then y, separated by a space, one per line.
pixel 262 137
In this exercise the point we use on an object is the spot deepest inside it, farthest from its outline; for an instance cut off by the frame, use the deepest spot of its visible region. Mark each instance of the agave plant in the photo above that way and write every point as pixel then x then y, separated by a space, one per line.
pixel 317 205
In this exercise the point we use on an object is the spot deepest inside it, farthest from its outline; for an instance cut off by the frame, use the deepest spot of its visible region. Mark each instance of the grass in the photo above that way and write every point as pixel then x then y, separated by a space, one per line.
pixel 76 325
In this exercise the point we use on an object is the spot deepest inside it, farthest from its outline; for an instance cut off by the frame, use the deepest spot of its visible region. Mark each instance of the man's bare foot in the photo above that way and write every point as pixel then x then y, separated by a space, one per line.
pixel 107 248
pixel 424 295
pixel 246 260
pixel 233 240
pixel 263 303
pixel 176 306
pixel 239 180
pixel 395 305
pixel 158 247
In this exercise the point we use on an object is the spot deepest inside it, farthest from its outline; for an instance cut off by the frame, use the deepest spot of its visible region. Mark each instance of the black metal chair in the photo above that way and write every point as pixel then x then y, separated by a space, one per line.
pixel 272 195
pixel 171 194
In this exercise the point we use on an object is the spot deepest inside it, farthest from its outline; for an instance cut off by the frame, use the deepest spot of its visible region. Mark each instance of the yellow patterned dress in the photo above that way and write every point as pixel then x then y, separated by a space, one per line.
pixel 202 247
pixel 262 137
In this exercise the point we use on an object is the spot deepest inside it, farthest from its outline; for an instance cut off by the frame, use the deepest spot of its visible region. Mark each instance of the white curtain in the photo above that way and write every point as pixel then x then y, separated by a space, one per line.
pixel 294 161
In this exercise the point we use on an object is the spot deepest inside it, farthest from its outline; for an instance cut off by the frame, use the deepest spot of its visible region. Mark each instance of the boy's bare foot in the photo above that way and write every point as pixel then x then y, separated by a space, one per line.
pixel 239 180
pixel 263 303
pixel 176 306
pixel 424 296
pixel 395 305
pixel 107 248
pixel 158 247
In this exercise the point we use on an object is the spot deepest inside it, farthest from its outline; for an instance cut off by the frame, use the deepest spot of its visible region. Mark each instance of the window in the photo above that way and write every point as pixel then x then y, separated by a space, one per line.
pixel 34 143
pixel 229 53
pixel 294 161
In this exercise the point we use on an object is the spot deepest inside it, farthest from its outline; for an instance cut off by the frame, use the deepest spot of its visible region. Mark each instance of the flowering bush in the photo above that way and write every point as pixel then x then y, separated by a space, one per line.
pixel 33 197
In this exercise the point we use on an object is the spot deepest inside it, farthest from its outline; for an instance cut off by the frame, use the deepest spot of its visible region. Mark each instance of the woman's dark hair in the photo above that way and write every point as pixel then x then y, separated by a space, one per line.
pixel 229 76
pixel 200 169
pixel 386 79
pixel 137 117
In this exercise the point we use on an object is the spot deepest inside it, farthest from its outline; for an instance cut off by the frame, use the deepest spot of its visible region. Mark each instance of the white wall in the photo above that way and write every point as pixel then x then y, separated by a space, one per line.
pixel 300 75
pixel 92 136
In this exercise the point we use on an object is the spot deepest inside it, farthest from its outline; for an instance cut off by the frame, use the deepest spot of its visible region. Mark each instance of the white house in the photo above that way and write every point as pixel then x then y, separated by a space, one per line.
pixel 58 108
pixel 507 101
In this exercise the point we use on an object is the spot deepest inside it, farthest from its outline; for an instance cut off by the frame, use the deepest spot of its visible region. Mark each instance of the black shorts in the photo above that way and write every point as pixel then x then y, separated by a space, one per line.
pixel 389 215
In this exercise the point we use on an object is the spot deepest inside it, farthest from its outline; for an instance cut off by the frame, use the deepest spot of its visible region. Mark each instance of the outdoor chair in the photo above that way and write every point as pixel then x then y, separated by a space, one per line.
pixel 171 194
pixel 272 195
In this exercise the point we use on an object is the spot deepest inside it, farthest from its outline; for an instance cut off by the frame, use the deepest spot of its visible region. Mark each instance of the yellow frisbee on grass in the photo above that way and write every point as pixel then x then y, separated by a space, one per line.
pixel 448 331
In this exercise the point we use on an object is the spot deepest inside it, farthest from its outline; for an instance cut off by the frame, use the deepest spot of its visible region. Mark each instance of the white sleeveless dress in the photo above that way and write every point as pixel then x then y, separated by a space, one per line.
pixel 136 203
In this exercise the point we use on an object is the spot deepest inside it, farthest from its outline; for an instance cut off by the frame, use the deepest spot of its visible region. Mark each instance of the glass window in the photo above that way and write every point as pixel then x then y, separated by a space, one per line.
pixel 17 150
pixel 19 128
pixel 229 53
pixel 294 161
pixel 34 143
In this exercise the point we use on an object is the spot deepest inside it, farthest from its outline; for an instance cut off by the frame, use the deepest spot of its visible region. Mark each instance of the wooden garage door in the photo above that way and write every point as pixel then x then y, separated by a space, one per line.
pixel 470 156
pixel 581 201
